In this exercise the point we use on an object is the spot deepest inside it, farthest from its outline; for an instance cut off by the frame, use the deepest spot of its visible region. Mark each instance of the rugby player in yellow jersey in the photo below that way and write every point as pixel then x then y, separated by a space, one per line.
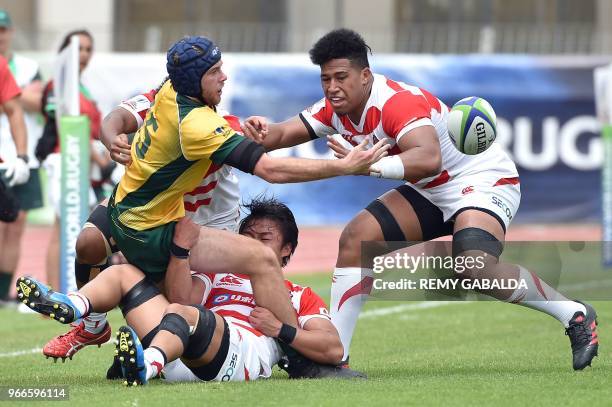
pixel 183 137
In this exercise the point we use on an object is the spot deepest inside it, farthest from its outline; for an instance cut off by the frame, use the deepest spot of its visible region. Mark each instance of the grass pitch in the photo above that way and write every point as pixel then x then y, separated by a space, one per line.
pixel 465 354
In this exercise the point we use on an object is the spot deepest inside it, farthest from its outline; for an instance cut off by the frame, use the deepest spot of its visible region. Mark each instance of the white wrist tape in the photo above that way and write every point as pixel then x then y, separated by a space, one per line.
pixel 388 167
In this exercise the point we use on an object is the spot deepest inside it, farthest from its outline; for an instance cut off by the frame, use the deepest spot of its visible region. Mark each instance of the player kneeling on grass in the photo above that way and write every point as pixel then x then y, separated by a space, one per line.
pixel 226 337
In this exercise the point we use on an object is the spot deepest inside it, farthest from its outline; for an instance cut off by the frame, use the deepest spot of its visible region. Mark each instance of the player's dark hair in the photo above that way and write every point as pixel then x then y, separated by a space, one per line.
pixel 67 37
pixel 271 208
pixel 341 43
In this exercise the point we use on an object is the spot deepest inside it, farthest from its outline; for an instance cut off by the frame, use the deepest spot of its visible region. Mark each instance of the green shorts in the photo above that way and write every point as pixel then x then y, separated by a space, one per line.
pixel 149 250
pixel 29 194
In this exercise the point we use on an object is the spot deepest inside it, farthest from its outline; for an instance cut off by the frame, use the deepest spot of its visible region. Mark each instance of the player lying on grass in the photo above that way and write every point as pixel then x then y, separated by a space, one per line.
pixel 225 337
pixel 182 141
pixel 472 198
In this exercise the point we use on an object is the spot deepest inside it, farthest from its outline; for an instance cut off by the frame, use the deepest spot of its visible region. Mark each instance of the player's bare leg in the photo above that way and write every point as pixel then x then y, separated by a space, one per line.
pixel 579 320
pixel 190 333
pixel 92 252
pixel 122 285
pixel 219 251
pixel 351 281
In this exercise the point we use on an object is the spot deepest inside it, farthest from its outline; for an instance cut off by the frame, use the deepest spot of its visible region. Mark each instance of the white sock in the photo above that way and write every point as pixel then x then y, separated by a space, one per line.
pixel 80 302
pixel 155 361
pixel 95 322
pixel 540 296
pixel 347 288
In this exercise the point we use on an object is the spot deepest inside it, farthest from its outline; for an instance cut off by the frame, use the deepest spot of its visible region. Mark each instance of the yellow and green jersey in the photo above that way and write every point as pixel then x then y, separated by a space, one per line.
pixel 180 141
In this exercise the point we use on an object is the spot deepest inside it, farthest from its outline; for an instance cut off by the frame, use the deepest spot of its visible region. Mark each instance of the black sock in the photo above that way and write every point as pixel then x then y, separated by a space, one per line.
pixel 5 284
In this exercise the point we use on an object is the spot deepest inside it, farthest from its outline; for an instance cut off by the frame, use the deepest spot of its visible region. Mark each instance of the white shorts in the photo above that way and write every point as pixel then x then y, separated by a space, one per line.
pixel 494 191
pixel 53 168
pixel 249 357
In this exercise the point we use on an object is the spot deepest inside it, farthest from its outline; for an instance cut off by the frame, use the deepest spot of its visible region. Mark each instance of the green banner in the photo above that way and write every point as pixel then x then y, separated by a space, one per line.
pixel 74 141
pixel 606 192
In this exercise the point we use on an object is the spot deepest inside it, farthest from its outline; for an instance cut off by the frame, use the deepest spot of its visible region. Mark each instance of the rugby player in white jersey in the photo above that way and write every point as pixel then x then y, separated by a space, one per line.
pixel 226 337
pixel 472 198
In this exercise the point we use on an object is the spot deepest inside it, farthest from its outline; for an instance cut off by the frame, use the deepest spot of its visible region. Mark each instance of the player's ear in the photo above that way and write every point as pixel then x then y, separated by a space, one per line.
pixel 366 74
pixel 286 250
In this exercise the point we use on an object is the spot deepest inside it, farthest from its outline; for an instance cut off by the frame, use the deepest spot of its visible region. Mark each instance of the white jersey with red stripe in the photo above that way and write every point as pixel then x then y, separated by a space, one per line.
pixel 392 110
pixel 215 202
pixel 231 296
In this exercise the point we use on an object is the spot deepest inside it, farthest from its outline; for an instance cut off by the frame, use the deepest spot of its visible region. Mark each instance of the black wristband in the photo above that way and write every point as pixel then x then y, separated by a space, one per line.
pixel 24 157
pixel 178 251
pixel 287 334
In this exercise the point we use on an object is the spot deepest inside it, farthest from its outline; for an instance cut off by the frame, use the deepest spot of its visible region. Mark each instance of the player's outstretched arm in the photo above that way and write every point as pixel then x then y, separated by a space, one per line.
pixel 276 135
pixel 291 169
pixel 113 134
pixel 318 341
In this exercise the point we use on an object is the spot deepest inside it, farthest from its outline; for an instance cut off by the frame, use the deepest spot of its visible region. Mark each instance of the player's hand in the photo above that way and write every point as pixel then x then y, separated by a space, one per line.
pixel 186 233
pixel 265 322
pixel 120 150
pixel 359 159
pixel 255 128
pixel 339 150
pixel 18 172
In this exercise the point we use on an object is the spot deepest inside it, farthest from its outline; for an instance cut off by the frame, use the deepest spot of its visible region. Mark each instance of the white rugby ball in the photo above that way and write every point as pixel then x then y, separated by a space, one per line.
pixel 472 125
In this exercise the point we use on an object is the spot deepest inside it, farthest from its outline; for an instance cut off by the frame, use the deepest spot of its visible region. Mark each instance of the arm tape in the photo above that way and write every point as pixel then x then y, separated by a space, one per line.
pixel 389 167
pixel 245 156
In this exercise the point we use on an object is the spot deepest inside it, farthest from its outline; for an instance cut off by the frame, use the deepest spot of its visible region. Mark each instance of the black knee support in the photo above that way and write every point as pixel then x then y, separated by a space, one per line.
pixel 148 338
pixel 177 325
pixel 390 228
pixel 476 239
pixel 82 272
pixel 142 292
pixel 99 218
pixel 201 338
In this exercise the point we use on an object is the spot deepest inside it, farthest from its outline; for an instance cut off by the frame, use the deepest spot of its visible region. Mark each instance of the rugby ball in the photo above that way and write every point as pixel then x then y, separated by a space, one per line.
pixel 472 125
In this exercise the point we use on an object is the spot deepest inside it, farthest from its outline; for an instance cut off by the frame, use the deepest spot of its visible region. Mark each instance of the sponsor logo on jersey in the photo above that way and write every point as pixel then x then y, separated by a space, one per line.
pixel 467 190
pixel 500 203
pixel 230 280
pixel 231 369
pixel 221 298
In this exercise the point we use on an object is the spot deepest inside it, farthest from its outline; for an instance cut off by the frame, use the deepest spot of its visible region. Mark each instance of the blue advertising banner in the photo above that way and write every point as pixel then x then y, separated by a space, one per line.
pixel 546 121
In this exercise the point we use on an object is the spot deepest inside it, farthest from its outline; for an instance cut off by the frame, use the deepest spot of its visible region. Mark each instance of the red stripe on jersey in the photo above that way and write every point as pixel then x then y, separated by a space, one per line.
pixel 324 115
pixel 402 109
pixel 362 287
pixel 202 189
pixel 211 169
pixel 246 374
pixel 432 100
pixel 370 123
pixel 394 85
pixel 507 181
pixel 248 328
pixel 441 179
pixel 233 121
pixel 193 206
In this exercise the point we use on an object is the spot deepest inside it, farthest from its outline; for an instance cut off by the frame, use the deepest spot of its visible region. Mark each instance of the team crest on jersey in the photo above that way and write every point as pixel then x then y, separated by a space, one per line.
pixel 230 280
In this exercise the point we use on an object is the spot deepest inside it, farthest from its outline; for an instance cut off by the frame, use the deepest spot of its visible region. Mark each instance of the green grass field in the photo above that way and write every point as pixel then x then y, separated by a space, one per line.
pixel 478 353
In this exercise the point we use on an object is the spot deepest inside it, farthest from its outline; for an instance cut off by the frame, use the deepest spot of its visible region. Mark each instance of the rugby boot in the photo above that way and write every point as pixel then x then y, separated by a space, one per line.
pixel 66 345
pixel 582 332
pixel 44 300
pixel 131 356
pixel 114 371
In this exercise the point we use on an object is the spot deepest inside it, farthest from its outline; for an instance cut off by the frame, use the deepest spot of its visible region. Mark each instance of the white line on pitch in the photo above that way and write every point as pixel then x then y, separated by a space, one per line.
pixel 406 307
